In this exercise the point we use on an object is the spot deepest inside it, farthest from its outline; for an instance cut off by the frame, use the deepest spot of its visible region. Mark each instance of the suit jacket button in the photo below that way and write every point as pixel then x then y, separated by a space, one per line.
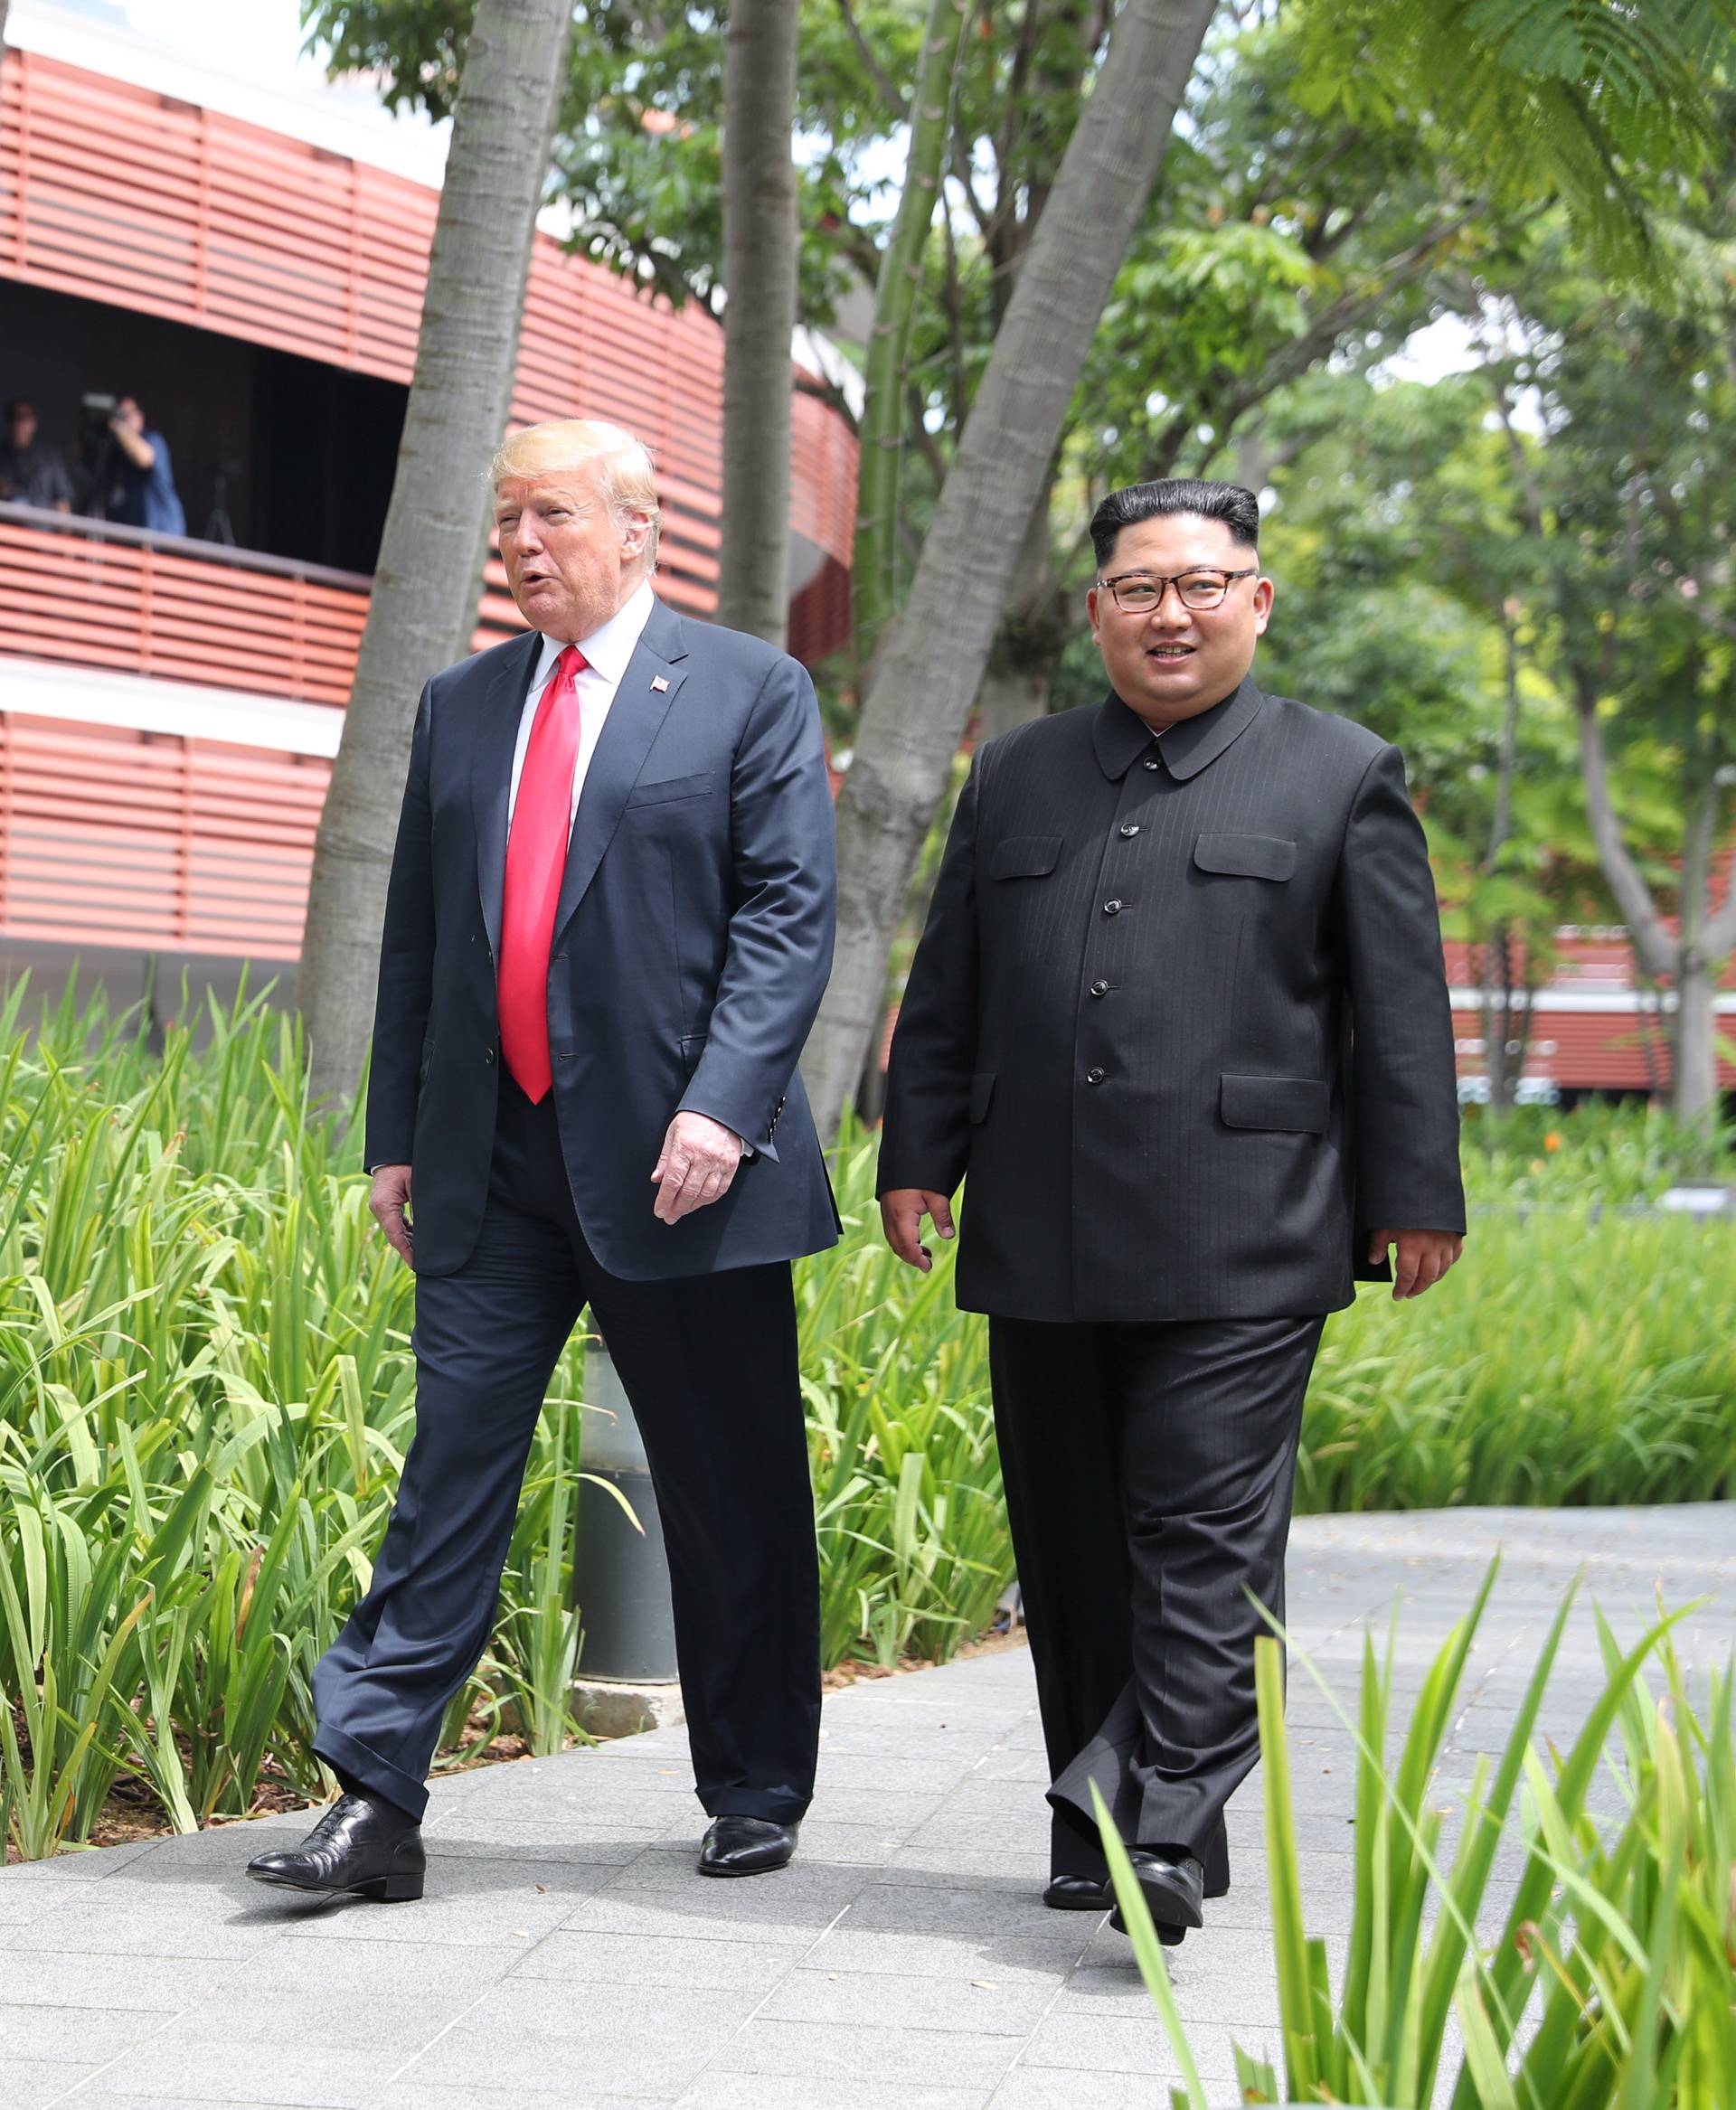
pixel 487 1054
pixel 1112 908
pixel 1099 989
pixel 1131 828
pixel 1094 1075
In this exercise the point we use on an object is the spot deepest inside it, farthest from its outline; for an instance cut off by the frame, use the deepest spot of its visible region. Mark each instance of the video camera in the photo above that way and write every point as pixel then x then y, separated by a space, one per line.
pixel 94 413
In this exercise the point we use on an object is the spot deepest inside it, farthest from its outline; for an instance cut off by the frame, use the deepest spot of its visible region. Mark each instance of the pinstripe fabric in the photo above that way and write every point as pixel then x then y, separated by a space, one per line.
pixel 1129 1019
pixel 1149 1471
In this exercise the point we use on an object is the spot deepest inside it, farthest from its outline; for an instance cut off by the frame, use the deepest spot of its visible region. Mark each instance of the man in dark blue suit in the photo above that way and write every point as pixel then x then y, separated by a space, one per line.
pixel 608 926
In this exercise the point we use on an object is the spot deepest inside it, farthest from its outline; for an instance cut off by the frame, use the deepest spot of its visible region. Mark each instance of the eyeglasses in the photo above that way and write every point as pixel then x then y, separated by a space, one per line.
pixel 1137 593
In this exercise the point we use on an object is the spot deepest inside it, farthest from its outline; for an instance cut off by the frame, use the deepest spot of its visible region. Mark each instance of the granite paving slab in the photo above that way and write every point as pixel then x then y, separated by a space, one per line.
pixel 567 1953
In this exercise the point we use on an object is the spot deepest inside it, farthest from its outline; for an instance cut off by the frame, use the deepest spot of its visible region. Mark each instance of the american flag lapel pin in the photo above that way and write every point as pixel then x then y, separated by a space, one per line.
pixel 657 681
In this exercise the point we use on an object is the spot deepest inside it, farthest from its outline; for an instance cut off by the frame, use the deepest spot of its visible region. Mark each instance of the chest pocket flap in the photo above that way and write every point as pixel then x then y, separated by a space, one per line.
pixel 1024 857
pixel 663 789
pixel 1267 857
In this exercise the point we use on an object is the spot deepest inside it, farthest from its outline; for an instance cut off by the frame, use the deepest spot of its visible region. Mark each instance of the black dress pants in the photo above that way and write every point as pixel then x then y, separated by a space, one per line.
pixel 1149 1473
pixel 709 1364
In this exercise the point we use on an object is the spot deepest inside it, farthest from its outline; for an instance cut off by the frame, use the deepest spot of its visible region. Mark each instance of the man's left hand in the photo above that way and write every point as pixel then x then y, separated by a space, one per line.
pixel 1423 1257
pixel 698 1160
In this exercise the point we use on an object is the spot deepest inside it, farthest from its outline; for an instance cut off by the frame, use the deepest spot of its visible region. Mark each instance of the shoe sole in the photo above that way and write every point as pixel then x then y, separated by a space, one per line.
pixel 1077 1904
pixel 1172 1914
pixel 382 1889
pixel 769 1868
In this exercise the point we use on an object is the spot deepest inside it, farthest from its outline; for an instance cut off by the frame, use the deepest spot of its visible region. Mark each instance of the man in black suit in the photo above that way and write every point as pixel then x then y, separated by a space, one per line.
pixel 1180 1012
pixel 608 925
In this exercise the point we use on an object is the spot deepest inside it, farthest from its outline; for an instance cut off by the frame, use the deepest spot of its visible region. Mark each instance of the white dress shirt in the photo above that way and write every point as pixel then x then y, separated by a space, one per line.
pixel 607 652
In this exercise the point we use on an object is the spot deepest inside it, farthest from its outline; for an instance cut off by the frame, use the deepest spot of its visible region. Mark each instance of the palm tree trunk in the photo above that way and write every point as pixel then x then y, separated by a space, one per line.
pixel 759 253
pixel 430 575
pixel 932 660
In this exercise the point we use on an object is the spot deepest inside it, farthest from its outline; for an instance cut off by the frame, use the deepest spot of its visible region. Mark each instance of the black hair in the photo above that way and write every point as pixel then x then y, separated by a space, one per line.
pixel 1236 508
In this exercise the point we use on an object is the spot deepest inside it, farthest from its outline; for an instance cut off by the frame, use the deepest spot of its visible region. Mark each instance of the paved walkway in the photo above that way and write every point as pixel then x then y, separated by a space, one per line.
pixel 567 1953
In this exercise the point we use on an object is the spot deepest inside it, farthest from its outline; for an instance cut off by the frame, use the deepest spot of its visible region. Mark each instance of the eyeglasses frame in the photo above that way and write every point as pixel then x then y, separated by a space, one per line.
pixel 1174 579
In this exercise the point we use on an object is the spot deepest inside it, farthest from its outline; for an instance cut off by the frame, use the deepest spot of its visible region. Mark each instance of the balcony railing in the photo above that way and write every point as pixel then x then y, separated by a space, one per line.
pixel 93 594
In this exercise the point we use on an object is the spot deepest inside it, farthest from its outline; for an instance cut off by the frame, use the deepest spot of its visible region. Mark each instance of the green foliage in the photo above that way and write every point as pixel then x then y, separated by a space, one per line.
pixel 1597 103
pixel 206 1393
pixel 907 1485
pixel 636 159
pixel 1621 1934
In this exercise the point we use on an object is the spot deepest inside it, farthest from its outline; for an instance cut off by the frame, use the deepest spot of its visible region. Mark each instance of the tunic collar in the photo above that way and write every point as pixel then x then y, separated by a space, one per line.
pixel 1120 736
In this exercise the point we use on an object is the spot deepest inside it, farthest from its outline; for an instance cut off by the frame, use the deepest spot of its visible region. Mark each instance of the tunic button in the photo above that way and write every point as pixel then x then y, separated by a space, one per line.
pixel 1112 908
pixel 1099 989
pixel 1094 1077
pixel 1131 828
pixel 1153 763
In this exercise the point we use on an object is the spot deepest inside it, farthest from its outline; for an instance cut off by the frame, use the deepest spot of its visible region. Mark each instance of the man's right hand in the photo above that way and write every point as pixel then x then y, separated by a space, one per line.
pixel 390 1202
pixel 901 1210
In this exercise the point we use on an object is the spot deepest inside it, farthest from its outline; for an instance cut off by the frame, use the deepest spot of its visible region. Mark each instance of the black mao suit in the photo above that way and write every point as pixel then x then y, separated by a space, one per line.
pixel 1180 1016
pixel 692 943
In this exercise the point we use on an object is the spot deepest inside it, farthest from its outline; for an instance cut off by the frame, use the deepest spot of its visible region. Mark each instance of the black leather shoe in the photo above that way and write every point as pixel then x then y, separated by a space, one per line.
pixel 1078 1894
pixel 362 1844
pixel 746 1846
pixel 1173 1886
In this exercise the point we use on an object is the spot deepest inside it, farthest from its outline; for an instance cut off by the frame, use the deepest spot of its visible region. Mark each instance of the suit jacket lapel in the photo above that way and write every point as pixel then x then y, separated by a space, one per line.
pixel 491 772
pixel 633 717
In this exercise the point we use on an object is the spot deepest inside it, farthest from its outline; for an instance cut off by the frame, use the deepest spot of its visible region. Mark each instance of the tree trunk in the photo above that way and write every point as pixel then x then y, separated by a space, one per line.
pixel 874 565
pixel 1037 624
pixel 759 253
pixel 932 660
pixel 1497 951
pixel 1009 696
pixel 423 609
pixel 1651 943
pixel 1694 1042
pixel 1496 1004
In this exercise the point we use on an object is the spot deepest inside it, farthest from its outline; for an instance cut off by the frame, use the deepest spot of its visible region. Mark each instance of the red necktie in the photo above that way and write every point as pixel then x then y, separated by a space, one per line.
pixel 536 858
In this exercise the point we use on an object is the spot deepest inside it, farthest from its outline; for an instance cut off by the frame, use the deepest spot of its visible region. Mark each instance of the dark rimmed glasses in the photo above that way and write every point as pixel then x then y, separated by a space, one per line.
pixel 1137 593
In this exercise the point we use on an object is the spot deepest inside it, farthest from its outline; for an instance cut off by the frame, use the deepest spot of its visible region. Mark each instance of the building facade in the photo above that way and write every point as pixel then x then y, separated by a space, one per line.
pixel 170 705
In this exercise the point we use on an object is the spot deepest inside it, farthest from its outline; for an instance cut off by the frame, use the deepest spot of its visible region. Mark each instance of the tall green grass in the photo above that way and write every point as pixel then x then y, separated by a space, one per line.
pixel 1609 1985
pixel 206 1392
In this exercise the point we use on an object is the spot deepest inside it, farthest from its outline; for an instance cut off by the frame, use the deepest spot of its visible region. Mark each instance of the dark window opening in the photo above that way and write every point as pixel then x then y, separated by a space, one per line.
pixel 270 451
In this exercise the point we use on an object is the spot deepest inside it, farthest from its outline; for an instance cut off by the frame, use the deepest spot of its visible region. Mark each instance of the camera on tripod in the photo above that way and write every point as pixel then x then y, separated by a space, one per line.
pixel 94 413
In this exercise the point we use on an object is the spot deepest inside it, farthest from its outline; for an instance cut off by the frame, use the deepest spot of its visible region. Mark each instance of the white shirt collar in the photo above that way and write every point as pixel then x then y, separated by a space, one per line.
pixel 607 650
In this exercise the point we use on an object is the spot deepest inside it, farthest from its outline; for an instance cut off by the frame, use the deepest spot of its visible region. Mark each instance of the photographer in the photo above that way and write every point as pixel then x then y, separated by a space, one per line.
pixel 139 463
pixel 32 472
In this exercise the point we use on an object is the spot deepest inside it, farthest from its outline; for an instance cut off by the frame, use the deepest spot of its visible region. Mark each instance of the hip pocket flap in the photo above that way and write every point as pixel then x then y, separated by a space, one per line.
pixel 1024 857
pixel 1275 1102
pixel 1267 857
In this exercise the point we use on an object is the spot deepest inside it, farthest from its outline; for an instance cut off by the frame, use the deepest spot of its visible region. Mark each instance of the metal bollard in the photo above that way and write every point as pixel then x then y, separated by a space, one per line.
pixel 627 1678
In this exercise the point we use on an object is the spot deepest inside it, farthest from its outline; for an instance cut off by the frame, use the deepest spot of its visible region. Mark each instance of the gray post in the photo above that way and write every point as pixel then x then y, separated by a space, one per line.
pixel 627 1678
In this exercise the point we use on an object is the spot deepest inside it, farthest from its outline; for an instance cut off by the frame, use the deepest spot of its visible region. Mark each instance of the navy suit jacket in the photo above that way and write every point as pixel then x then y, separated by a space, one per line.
pixel 691 944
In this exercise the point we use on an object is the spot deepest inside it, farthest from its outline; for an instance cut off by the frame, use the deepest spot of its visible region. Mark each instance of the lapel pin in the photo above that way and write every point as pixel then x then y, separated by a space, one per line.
pixel 657 681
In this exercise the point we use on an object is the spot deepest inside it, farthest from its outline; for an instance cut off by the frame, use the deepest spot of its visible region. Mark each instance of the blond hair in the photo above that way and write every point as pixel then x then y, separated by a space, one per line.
pixel 626 476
